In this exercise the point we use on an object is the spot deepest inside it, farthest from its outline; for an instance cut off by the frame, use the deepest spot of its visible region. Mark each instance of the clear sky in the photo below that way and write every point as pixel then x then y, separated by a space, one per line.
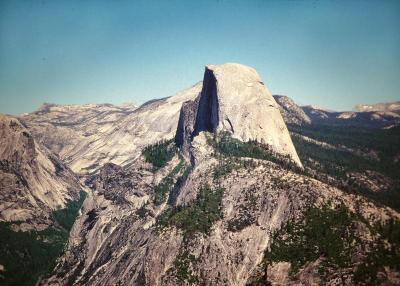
pixel 330 53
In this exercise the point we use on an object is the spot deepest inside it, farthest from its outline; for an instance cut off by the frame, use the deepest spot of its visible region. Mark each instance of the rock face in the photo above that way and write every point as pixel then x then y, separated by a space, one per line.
pixel 33 181
pixel 291 112
pixel 235 100
pixel 89 136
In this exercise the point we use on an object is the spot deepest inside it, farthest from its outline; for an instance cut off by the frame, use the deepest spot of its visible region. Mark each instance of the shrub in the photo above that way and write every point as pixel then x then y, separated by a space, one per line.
pixel 182 268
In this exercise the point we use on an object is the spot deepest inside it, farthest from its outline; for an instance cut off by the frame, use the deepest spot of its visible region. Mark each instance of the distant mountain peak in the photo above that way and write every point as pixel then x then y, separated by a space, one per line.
pixel 317 107
pixel 386 106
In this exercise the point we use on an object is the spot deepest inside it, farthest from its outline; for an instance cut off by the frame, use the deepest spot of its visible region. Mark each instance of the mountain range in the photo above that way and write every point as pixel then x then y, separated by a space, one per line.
pixel 220 184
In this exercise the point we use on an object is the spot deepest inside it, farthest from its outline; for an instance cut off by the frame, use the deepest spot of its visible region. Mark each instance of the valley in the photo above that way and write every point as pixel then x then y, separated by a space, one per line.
pixel 220 184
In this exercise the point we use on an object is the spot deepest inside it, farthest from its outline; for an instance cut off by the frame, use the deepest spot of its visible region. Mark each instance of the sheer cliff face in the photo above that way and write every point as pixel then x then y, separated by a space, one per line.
pixel 33 181
pixel 235 100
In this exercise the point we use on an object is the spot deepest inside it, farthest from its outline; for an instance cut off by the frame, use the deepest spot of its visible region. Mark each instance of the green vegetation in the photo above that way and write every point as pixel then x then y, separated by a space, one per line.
pixel 29 255
pixel 227 146
pixel 182 268
pixel 226 165
pixel 160 154
pixel 323 232
pixel 339 163
pixel 162 190
pixel 197 217
pixel 384 252
pixel 384 141
pixel 224 168
pixel 230 153
pixel 66 217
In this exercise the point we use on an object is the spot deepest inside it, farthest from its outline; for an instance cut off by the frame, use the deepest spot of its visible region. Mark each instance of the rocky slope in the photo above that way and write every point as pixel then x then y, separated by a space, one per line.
pixel 67 130
pixel 213 227
pixel 33 181
pixel 86 137
pixel 223 210
pixel 291 112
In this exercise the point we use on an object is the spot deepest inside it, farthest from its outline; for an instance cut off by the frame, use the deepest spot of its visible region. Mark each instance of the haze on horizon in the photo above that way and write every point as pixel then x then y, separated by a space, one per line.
pixel 334 54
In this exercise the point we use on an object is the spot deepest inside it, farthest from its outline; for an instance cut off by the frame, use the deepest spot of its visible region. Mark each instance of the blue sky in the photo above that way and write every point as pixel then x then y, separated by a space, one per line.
pixel 330 53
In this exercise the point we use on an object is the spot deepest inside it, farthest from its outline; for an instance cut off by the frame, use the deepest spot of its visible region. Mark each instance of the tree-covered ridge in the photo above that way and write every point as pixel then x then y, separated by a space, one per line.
pixel 330 238
pixel 160 153
pixel 385 142
pixel 383 252
pixel 30 255
pixel 340 163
